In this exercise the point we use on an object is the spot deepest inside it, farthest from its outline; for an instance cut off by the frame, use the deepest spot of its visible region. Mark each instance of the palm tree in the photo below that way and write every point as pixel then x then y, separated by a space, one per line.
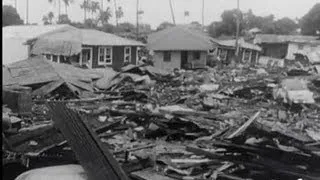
pixel 50 17
pixel 85 5
pixel 66 4
pixel 104 16
pixel 59 5
pixel 94 6
pixel 45 20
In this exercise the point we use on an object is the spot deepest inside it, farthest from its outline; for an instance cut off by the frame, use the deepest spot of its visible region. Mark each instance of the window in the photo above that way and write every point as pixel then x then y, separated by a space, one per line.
pixel 300 46
pixel 211 51
pixel 105 55
pixel 64 59
pixel 127 54
pixel 196 55
pixel 48 57
pixel 166 56
pixel 223 54
pixel 246 55
pixel 53 58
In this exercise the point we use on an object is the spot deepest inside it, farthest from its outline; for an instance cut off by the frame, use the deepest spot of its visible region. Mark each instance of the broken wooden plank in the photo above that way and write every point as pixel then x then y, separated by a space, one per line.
pixel 244 126
pixel 149 174
pixel 98 162
pixel 107 127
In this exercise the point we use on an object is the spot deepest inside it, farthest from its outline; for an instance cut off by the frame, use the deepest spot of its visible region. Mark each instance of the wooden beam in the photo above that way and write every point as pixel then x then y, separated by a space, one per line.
pixel 97 161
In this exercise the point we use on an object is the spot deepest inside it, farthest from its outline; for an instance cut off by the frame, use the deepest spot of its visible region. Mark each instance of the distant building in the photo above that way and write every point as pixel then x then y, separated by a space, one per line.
pixel 180 47
pixel 286 46
pixel 248 52
pixel 86 47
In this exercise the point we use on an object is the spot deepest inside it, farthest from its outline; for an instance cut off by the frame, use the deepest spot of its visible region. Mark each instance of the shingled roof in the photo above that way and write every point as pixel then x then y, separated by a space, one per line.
pixel 180 38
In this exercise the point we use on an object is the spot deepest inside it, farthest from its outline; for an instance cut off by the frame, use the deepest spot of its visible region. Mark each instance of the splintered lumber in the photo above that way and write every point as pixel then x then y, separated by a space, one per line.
pixel 96 160
pixel 244 126
pixel 149 174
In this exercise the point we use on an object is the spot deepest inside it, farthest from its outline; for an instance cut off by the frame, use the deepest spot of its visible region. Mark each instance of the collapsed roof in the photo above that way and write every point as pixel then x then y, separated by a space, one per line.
pixel 273 38
pixel 49 75
pixel 242 44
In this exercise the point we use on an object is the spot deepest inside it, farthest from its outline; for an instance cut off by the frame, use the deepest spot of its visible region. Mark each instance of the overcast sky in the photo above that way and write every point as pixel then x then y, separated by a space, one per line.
pixel 157 11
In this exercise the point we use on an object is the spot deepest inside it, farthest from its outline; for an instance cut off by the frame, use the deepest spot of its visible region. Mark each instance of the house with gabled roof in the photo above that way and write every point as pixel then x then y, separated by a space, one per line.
pixel 86 47
pixel 180 47
pixel 287 46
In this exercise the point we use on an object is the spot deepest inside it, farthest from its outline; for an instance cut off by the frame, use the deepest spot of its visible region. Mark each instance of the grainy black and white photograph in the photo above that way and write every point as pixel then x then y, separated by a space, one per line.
pixel 161 90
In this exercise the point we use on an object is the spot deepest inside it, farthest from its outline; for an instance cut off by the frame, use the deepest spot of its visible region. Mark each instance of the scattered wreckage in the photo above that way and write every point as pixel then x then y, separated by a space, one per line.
pixel 231 123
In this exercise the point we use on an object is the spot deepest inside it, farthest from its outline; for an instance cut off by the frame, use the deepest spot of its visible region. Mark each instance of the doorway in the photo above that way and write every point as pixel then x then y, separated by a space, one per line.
pixel 86 56
pixel 184 59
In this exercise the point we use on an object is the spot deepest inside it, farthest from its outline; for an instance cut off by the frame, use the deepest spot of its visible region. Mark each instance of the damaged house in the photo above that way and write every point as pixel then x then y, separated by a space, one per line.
pixel 13 38
pixel 180 47
pixel 86 47
pixel 287 46
pixel 249 53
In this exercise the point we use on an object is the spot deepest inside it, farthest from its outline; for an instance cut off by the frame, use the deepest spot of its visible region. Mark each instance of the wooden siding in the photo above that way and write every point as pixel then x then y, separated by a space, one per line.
pixel 117 57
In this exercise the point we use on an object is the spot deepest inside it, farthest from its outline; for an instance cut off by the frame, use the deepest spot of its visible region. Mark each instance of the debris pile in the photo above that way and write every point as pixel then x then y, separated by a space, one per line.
pixel 240 123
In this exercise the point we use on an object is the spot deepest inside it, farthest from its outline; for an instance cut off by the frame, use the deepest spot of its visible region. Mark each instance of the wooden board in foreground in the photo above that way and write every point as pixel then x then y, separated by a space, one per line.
pixel 98 162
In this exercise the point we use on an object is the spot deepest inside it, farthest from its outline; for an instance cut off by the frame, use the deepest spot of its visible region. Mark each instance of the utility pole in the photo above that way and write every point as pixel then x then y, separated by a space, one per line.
pixel 238 29
pixel 137 19
pixel 115 10
pixel 15 5
pixel 85 3
pixel 101 11
pixel 27 17
pixel 59 9
pixel 202 14
pixel 172 14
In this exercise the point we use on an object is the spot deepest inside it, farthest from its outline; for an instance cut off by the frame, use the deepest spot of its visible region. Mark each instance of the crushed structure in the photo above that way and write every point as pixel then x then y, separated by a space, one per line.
pixel 213 123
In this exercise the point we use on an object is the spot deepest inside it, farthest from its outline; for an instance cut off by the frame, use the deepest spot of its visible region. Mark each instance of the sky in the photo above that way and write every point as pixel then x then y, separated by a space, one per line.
pixel 158 11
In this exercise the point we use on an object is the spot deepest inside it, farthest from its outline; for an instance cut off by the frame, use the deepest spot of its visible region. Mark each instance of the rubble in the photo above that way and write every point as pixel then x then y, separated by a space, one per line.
pixel 204 124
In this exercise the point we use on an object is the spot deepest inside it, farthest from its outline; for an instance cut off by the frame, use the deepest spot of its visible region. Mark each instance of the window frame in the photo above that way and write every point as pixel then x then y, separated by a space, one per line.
pixel 127 55
pixel 104 55
pixel 51 57
pixel 194 54
pixel 164 56
pixel 246 52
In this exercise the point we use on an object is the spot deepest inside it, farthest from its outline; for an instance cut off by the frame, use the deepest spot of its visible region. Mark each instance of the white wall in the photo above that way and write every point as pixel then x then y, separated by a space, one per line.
pixel 13 50
pixel 307 49
pixel 174 63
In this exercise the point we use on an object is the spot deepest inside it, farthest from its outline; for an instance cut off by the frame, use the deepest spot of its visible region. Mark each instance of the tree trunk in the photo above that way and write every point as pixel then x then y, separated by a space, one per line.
pixel 59 9
pixel 115 11
pixel 66 8
pixel 85 11
pixel 27 18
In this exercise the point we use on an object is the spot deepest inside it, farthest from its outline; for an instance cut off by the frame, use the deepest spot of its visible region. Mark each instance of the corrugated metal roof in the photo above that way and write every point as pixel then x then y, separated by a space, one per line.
pixel 273 38
pixel 180 38
pixel 242 44
pixel 95 37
